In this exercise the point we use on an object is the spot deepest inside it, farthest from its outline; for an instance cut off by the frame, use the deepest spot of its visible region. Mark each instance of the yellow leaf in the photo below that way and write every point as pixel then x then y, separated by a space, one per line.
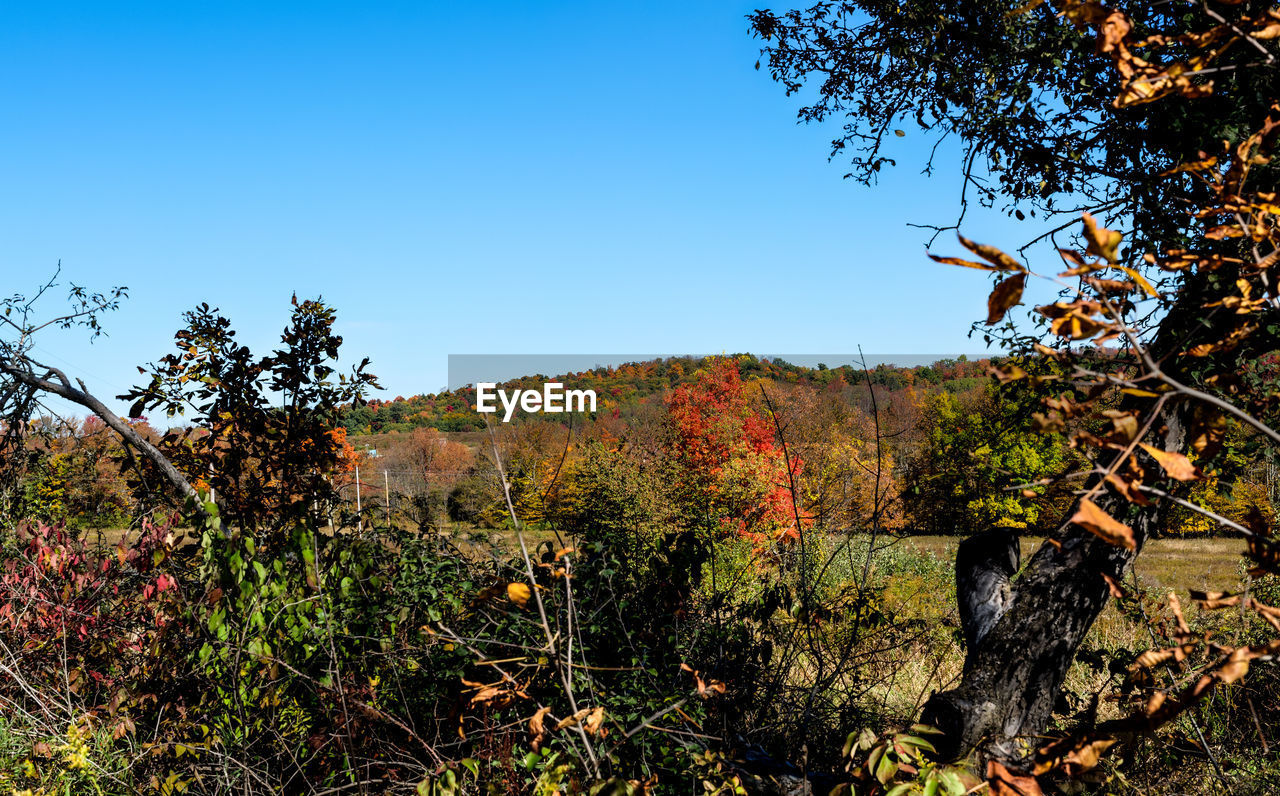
pixel 1102 242
pixel 519 593
pixel 1141 280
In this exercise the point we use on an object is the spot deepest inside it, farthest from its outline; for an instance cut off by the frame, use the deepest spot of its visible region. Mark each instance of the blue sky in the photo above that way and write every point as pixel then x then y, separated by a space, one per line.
pixel 454 178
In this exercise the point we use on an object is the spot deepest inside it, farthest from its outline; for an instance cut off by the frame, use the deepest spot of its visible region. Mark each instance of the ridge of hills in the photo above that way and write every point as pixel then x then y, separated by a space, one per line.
pixel 627 385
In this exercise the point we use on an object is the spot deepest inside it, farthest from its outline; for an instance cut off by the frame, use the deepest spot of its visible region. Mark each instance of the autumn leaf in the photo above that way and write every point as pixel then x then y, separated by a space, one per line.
pixel 537 728
pixel 1096 521
pixel 594 721
pixel 1007 783
pixel 519 593
pixel 965 263
pixel 1112 32
pixel 1129 489
pixel 1141 281
pixel 1175 465
pixel 1006 294
pixel 1102 242
pixel 1113 586
pixel 1001 261
pixel 1082 756
pixel 1236 665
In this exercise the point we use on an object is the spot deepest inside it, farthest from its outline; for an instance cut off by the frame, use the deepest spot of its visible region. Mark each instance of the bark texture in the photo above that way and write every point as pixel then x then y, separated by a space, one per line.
pixel 985 562
pixel 1015 668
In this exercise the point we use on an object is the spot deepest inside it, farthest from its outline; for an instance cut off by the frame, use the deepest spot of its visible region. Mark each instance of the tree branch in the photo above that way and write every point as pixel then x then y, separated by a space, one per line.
pixel 56 383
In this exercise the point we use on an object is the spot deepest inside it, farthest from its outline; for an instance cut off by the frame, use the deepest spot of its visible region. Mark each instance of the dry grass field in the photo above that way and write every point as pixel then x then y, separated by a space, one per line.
pixel 1178 564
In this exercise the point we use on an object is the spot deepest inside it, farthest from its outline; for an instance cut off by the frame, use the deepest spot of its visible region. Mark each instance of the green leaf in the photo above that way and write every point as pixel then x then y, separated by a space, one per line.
pixel 886 769
pixel 951 781
pixel 916 741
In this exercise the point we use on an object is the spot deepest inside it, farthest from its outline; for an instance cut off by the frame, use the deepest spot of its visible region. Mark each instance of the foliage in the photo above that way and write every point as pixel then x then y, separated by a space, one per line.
pixel 738 478
pixel 267 464
pixel 979 455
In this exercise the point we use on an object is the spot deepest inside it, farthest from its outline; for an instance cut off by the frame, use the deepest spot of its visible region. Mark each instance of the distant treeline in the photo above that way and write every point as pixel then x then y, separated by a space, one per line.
pixel 624 385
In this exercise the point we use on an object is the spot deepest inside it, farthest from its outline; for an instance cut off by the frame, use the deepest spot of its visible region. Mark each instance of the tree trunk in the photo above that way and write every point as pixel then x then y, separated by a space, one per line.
pixel 1014 669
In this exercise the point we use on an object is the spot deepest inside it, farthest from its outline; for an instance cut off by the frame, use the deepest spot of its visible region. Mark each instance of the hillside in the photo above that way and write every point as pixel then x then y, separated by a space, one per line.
pixel 624 386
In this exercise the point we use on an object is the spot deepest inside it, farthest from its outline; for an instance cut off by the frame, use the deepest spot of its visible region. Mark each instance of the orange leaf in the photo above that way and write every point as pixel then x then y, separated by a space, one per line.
pixel 1128 489
pixel 1096 521
pixel 1007 783
pixel 1006 294
pixel 519 593
pixel 1175 465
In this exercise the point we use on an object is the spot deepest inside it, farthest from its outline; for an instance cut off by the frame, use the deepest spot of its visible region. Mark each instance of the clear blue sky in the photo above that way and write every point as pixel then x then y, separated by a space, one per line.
pixel 454 178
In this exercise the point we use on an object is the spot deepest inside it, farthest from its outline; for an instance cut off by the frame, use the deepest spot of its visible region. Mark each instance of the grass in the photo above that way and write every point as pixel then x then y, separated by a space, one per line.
pixel 1178 564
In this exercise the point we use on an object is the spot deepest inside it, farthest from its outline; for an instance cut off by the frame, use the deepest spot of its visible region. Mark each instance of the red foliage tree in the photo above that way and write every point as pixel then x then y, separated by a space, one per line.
pixel 731 458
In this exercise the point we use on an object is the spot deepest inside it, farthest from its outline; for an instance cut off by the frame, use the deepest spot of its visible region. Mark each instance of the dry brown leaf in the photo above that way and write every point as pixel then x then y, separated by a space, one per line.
pixel 594 721
pixel 1006 295
pixel 965 263
pixel 1214 600
pixel 1085 756
pixel 537 728
pixel 1001 261
pixel 1128 489
pixel 1152 658
pixel 1113 586
pixel 1236 666
pixel 1175 605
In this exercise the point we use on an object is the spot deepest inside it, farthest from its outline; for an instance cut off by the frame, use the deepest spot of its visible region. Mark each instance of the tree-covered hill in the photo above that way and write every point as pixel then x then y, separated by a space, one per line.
pixel 621 387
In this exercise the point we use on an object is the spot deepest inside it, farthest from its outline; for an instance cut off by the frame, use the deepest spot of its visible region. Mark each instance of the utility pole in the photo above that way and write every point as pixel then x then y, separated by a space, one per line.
pixel 359 519
pixel 386 494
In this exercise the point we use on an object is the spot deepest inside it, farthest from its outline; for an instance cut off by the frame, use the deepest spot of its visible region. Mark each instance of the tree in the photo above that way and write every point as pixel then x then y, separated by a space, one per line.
pixel 269 465
pixel 977 448
pixel 737 475
pixel 25 381
pixel 264 431
pixel 1072 107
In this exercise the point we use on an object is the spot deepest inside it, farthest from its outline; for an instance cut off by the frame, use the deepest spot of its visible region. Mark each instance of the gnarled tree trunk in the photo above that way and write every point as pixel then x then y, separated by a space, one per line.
pixel 1023 634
